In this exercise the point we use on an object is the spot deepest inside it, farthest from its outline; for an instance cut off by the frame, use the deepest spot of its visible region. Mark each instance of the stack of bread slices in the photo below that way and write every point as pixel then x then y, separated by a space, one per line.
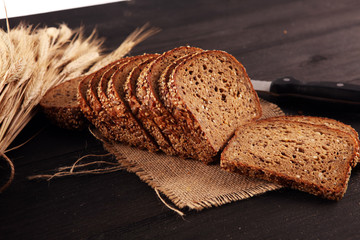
pixel 197 104
pixel 185 102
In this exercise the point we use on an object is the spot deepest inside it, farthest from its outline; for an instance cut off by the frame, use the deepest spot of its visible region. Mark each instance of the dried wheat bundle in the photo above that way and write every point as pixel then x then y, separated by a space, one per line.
pixel 32 60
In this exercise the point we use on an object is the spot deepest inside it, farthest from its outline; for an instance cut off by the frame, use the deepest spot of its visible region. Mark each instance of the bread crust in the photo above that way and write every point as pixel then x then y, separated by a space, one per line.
pixel 151 110
pixel 103 119
pixel 153 105
pixel 85 106
pixel 119 110
pixel 323 121
pixel 181 138
pixel 286 181
pixel 83 96
pixel 130 87
pixel 148 122
pixel 70 118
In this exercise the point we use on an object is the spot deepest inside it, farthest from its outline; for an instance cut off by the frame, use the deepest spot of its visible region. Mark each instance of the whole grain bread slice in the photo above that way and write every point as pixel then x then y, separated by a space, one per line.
pixel 311 158
pixel 211 94
pixel 119 110
pixel 163 83
pixel 145 94
pixel 61 106
pixel 85 105
pixel 91 106
pixel 153 106
pixel 130 87
pixel 184 134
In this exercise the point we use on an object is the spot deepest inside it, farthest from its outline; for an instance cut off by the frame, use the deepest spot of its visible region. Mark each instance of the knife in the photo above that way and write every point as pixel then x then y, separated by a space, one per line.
pixel 289 88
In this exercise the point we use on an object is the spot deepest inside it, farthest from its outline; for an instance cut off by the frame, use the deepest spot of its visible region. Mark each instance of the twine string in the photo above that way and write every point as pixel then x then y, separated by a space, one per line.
pixel 74 169
pixel 168 205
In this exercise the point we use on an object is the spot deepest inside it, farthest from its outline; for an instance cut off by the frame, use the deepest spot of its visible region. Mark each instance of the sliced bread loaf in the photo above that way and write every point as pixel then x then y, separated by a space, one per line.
pixel 311 158
pixel 184 134
pixel 118 108
pixel 145 94
pixel 153 106
pixel 211 94
pixel 61 106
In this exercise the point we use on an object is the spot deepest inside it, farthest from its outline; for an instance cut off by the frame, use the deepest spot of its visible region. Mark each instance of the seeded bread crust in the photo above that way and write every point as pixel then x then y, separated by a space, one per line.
pixel 221 78
pixel 130 87
pixel 311 158
pixel 328 122
pixel 120 132
pixel 85 106
pixel 163 83
pixel 120 111
pixel 145 111
pixel 131 97
pixel 103 118
pixel 153 106
pixel 186 139
pixel 60 105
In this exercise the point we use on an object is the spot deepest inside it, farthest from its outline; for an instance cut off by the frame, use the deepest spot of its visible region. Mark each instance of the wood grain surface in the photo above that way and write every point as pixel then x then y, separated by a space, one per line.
pixel 309 40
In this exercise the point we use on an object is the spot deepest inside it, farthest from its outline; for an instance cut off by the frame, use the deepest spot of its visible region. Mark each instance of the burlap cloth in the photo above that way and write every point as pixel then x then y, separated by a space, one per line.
pixel 190 183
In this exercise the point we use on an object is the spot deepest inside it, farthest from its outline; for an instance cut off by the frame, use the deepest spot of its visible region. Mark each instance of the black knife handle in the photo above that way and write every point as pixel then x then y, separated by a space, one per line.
pixel 330 90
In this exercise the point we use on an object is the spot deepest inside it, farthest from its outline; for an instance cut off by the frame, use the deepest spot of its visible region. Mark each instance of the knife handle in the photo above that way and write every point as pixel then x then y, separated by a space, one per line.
pixel 332 90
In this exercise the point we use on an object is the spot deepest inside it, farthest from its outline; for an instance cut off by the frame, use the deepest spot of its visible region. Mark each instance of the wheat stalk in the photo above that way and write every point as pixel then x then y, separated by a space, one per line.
pixel 33 60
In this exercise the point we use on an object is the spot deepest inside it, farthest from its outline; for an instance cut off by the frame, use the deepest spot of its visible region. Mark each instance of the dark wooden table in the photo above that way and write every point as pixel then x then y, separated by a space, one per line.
pixel 309 40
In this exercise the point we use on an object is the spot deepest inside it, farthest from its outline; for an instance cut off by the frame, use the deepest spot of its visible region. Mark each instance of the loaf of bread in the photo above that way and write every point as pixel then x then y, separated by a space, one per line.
pixel 297 154
pixel 188 100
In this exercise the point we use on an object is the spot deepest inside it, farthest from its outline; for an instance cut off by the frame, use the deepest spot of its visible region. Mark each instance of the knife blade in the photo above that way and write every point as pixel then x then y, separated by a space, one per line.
pixel 291 88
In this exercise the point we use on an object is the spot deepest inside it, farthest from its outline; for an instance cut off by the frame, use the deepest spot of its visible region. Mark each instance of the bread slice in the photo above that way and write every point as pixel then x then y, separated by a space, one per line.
pixel 164 80
pixel 185 139
pixel 153 106
pixel 91 106
pixel 134 103
pixel 119 110
pixel 147 97
pixel 130 87
pixel 211 94
pixel 331 123
pixel 85 105
pixel 311 158
pixel 60 105
pixel 102 115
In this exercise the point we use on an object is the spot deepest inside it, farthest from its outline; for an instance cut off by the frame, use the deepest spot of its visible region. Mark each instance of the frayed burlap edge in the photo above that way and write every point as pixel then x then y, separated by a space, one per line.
pixel 217 201
pixel 269 110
